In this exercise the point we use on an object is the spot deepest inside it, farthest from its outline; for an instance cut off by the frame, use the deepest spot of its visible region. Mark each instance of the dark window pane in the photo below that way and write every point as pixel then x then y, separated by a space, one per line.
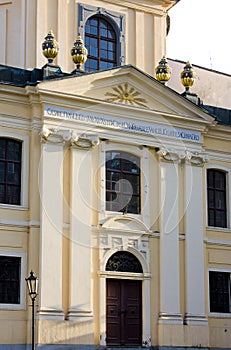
pixel 216 198
pixel 103 53
pixel 93 21
pixel 2 171
pixel 93 51
pixel 111 34
pixel 110 65
pixel 103 24
pixel 10 280
pixel 219 291
pixel 111 55
pixel 103 44
pixel 123 176
pixel 2 148
pixel 93 42
pixel 87 28
pixel 100 41
pixel 10 171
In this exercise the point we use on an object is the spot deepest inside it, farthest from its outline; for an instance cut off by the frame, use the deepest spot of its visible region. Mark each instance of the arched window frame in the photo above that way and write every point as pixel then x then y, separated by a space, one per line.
pixel 227 171
pixel 116 20
pixel 24 169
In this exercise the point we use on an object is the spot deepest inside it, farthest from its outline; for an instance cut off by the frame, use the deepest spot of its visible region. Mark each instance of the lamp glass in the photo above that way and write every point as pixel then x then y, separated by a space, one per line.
pixel 32 284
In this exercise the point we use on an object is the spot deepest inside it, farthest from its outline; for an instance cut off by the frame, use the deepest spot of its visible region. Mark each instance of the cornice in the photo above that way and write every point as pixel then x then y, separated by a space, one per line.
pixel 162 6
pixel 221 132
pixel 94 105
pixel 218 155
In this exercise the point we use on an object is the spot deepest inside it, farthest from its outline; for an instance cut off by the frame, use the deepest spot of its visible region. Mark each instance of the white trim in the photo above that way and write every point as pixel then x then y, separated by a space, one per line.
pixel 217 242
pixel 20 223
pixel 24 167
pixel 22 304
pixel 217 314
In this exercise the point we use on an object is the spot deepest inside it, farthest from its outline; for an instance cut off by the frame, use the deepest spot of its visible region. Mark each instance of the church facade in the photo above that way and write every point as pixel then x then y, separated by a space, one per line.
pixel 114 188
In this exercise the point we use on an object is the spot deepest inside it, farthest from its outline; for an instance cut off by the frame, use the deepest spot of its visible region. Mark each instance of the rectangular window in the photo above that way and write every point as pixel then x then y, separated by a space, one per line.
pixel 10 171
pixel 219 291
pixel 216 198
pixel 122 182
pixel 10 274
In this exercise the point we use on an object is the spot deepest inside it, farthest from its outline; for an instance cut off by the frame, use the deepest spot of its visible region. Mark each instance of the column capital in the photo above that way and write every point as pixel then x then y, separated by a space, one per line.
pixel 196 158
pixel 171 155
pixel 68 137
pixel 182 156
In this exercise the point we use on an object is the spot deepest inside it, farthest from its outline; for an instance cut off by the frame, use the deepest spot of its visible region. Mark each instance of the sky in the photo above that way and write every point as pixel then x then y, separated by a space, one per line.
pixel 200 32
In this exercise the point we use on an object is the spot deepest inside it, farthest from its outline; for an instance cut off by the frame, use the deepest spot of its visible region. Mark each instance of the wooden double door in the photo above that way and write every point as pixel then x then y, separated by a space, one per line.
pixel 124 312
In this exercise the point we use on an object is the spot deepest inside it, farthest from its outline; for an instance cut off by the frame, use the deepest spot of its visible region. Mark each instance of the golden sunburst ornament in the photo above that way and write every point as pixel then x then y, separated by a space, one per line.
pixel 127 95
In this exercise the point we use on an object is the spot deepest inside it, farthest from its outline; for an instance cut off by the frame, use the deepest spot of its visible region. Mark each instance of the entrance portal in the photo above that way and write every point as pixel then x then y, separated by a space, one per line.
pixel 124 312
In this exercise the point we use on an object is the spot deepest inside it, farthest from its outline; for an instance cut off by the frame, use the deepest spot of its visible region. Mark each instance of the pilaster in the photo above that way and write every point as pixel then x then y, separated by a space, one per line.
pixel 169 240
pixel 80 307
pixel 194 238
pixel 51 212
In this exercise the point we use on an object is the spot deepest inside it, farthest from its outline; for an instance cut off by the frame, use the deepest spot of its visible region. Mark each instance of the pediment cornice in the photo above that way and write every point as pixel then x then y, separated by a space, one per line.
pixel 158 7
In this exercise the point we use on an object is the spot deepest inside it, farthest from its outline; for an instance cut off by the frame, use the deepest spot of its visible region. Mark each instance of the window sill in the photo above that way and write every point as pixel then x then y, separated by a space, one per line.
pixel 13 207
pixel 109 214
pixel 219 229
pixel 13 307
pixel 219 315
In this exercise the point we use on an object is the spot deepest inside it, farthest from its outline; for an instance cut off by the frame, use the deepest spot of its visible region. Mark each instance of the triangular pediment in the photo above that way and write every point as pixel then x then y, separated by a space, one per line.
pixel 128 86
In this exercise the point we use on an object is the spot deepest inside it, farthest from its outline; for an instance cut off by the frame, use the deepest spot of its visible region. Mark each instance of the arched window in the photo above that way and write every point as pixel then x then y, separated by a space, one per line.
pixel 122 182
pixel 10 170
pixel 216 195
pixel 124 262
pixel 100 40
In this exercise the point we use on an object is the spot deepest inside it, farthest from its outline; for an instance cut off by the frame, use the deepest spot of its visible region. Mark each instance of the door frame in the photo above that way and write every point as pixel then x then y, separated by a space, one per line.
pixel 145 278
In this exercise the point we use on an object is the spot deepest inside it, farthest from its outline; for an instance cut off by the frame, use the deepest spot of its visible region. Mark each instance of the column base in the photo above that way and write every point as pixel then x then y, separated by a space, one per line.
pixel 80 315
pixel 195 320
pixel 44 314
pixel 165 318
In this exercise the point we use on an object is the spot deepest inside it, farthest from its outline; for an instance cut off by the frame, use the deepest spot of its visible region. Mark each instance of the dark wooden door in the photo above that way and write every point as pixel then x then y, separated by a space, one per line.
pixel 124 312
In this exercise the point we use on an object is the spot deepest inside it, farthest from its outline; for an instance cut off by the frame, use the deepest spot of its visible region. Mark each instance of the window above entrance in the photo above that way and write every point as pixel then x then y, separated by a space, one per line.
pixel 124 262
pixel 122 182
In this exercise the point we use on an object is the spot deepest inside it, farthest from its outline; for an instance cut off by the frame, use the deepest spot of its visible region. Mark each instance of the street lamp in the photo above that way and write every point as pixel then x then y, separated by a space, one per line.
pixel 32 284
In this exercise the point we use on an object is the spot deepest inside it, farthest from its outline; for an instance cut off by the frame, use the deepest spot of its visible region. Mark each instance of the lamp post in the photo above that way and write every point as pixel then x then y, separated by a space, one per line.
pixel 32 284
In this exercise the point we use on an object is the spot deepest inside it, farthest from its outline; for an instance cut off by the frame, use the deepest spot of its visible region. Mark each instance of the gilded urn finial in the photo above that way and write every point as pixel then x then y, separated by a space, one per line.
pixel 50 47
pixel 163 71
pixel 187 76
pixel 79 52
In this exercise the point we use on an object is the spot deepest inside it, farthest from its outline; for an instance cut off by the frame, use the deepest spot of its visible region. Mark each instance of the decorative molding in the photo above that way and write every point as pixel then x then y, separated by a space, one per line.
pixel 68 137
pixel 165 318
pixel 44 314
pixel 195 320
pixel 127 95
pixel 182 156
pixel 79 315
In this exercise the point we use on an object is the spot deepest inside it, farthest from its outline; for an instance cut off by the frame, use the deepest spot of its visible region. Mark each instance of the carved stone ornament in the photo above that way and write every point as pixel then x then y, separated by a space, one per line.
pixel 123 261
pixel 68 137
pixel 126 94
pixel 182 156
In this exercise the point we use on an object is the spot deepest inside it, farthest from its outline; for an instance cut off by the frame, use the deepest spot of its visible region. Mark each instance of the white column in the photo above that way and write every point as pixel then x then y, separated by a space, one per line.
pixel 103 311
pixel 51 212
pixel 169 245
pixel 3 36
pixel 195 289
pixel 80 235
